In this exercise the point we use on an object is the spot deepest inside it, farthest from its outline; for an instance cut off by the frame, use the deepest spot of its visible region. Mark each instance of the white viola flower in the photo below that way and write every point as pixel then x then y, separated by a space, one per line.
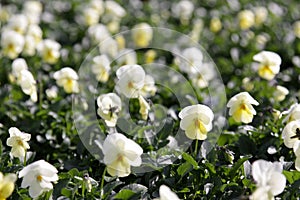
pixel 7 185
pixel 18 141
pixel 297 153
pixel 149 88
pixel 28 84
pixel 36 32
pixel 98 33
pixel 109 105
pixel 280 93
pixel 204 74
pixel 51 93
pixel 183 10
pixel 261 15
pixel 191 60
pixel 131 80
pixel 98 5
pixel 33 10
pixel 269 64
pixel 49 50
pixel 91 16
pixel 38 176
pixel 109 46
pixel 292 114
pixel 246 19
pixel 12 43
pixel 291 133
pixel 241 108
pixel 120 153
pixel 142 35
pixel 165 193
pixel 127 57
pixel 18 23
pixel 196 121
pixel 113 11
pixel 29 46
pixel 18 65
pixel 101 68
pixel 269 178
pixel 67 78
pixel 144 107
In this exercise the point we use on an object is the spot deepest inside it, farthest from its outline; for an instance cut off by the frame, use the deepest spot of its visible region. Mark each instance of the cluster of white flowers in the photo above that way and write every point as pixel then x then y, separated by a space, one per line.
pixel 291 132
pixel 24 78
pixel 37 175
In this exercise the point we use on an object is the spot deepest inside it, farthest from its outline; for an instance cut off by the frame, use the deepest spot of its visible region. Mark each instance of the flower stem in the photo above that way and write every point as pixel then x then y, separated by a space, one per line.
pixel 102 183
pixel 196 149
pixel 25 158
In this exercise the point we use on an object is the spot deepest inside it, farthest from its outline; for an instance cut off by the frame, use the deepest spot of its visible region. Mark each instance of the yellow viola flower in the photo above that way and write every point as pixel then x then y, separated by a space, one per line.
pixel 150 56
pixel 142 34
pixel 215 25
pixel 196 121
pixel 7 185
pixel 246 19
pixel 120 153
pixel 67 78
pixel 241 108
pixel 269 64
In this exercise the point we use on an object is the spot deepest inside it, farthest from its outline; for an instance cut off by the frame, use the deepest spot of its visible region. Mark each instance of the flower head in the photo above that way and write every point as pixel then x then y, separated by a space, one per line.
pixel 269 179
pixel 144 107
pixel 193 58
pixel 18 65
pixel 28 84
pixel 142 34
pixel 241 108
pixel 38 177
pixel 196 121
pixel 109 105
pixel 269 64
pixel 165 193
pixel 12 43
pixel 18 23
pixel 246 19
pixel 120 153
pixel 183 10
pixel 131 80
pixel 7 185
pixel 67 78
pixel 291 133
pixel 296 149
pixel 18 141
pixel 292 114
pixel 280 93
pixel 49 50
pixel 101 68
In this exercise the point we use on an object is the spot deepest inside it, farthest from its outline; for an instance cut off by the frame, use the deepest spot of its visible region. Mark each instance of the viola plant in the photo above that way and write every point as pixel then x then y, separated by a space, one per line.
pixel 111 99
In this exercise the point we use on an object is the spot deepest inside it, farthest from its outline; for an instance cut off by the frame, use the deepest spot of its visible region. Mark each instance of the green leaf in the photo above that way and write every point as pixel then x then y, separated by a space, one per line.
pixel 66 192
pixel 184 169
pixel 237 165
pixel 291 176
pixel 190 160
pixel 124 194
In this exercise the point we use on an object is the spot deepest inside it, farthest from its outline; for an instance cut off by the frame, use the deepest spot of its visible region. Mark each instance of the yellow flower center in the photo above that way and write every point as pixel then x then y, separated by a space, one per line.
pixel 20 142
pixel 200 126
pixel 39 178
pixel 265 69
pixel 130 85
